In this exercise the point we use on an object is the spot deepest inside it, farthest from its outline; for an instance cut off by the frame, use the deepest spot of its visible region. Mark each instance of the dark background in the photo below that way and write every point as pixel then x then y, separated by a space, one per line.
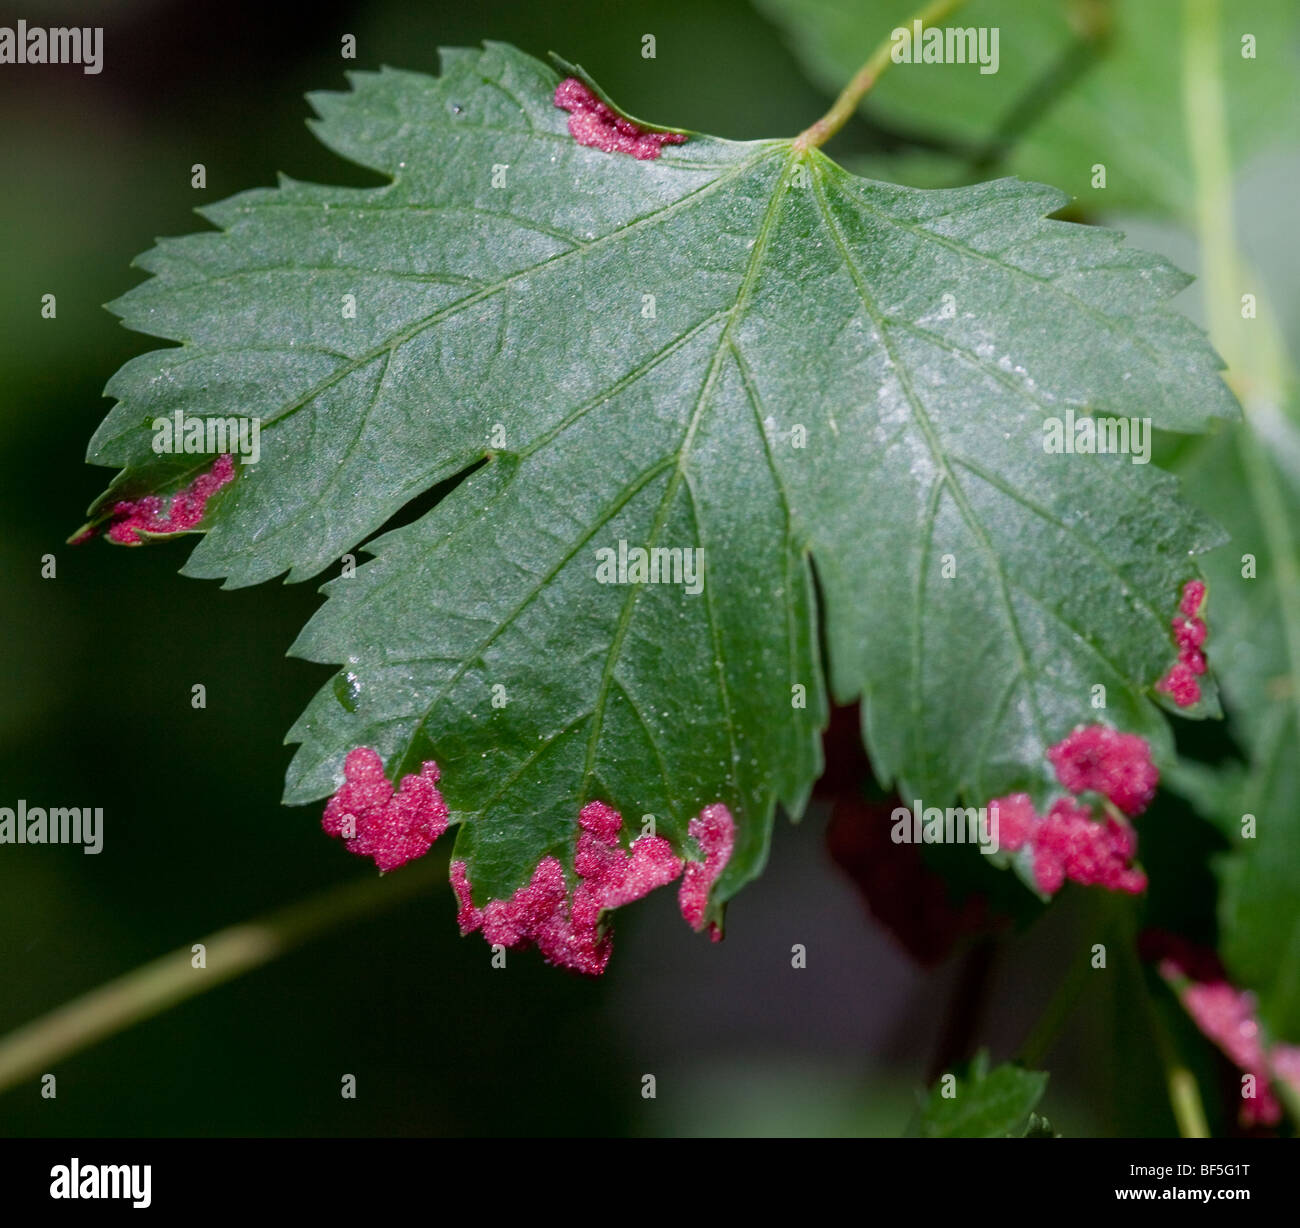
pixel 98 665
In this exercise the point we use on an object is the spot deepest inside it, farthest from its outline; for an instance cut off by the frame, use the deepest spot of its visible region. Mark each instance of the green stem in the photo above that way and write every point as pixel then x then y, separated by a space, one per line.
pixel 1184 1094
pixel 1038 1044
pixel 148 990
pixel 1185 1098
pixel 965 1009
pixel 866 77
pixel 1180 1084
pixel 1099 917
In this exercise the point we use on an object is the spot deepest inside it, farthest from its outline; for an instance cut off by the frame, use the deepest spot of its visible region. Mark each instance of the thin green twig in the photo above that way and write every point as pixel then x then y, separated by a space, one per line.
pixel 154 987
pixel 866 77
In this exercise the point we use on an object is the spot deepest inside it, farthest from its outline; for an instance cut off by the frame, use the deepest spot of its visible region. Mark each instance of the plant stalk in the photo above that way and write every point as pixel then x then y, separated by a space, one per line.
pixel 154 987
pixel 866 77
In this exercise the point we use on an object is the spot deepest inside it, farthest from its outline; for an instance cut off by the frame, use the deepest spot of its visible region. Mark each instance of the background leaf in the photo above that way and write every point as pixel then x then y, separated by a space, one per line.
pixel 1247 475
pixel 1078 83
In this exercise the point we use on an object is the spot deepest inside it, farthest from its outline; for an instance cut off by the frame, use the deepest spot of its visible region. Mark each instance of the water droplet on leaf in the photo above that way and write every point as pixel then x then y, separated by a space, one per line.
pixel 347 689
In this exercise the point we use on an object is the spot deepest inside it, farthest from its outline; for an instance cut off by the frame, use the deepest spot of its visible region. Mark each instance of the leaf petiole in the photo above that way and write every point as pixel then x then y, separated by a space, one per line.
pixel 865 78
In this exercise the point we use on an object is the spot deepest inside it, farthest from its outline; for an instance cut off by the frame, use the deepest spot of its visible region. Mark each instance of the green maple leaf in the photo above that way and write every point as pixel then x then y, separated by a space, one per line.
pixel 737 348
pixel 1079 83
pixel 986 1103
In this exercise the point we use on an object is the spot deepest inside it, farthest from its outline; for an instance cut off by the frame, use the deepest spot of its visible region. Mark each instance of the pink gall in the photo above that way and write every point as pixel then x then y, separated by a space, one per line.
pixel 155 515
pixel 1189 632
pixel 1193 598
pixel 391 828
pixel 1227 1016
pixel 714 831
pixel 568 931
pixel 1180 685
pixel 1069 845
pixel 1098 759
pixel 595 124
